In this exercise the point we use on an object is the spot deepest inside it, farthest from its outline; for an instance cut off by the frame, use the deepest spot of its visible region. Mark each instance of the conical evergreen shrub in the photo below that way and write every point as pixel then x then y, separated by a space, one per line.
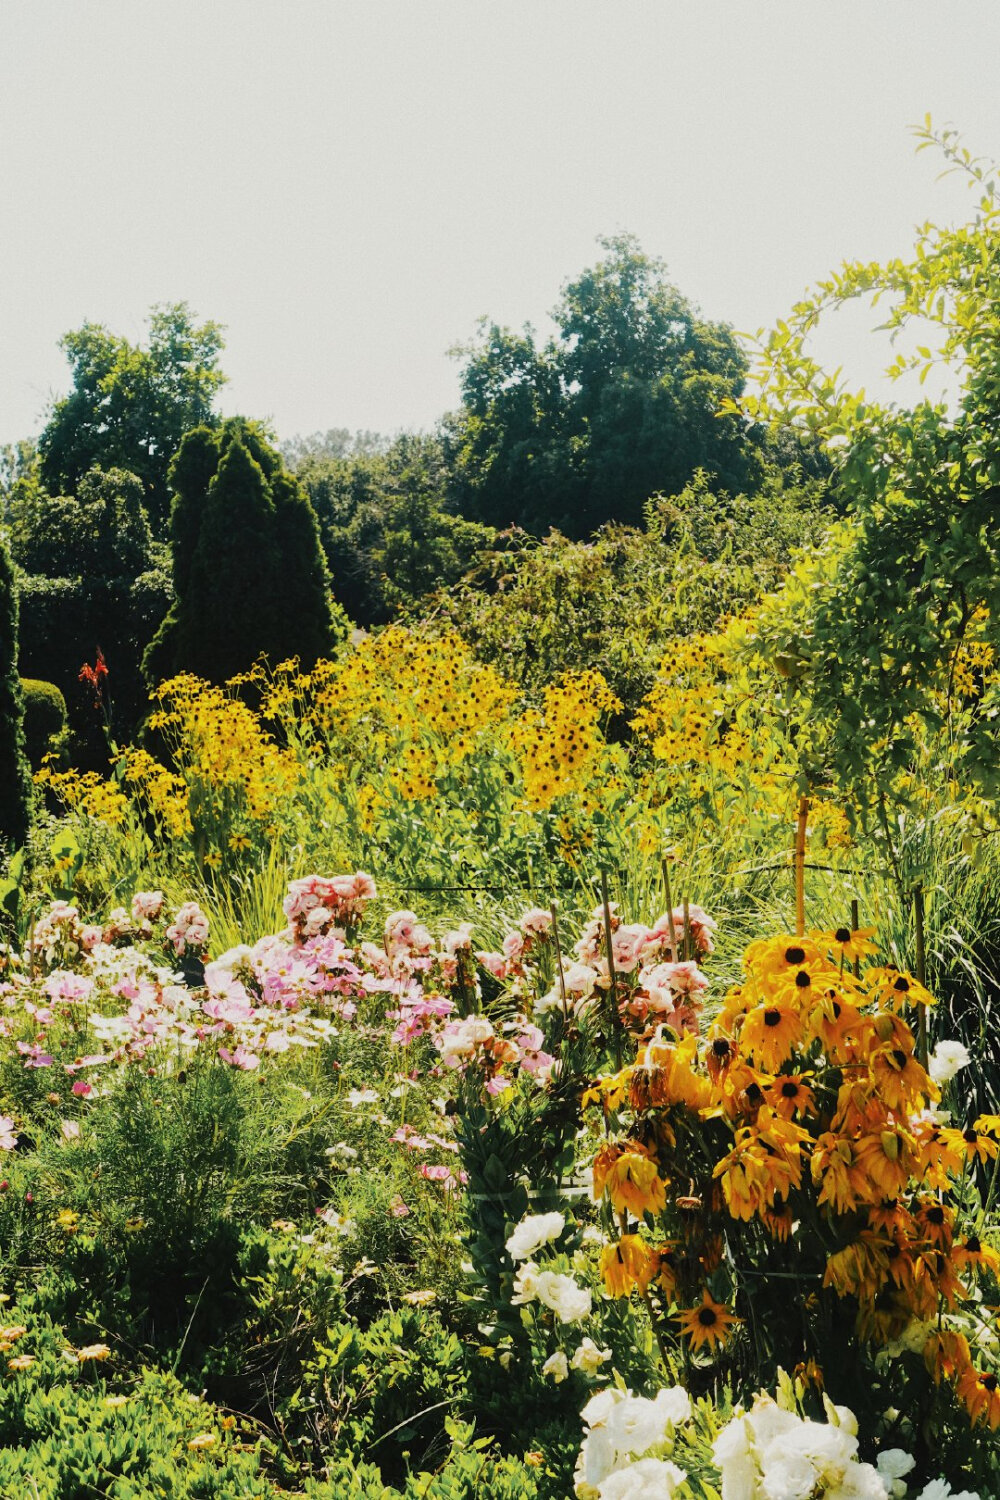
pixel 249 574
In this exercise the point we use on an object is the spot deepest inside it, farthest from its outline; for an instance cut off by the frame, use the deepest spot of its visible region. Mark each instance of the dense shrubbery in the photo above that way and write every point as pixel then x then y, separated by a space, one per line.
pixel 44 719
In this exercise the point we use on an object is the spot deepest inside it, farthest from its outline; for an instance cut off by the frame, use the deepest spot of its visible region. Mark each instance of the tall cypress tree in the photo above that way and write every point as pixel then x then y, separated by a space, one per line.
pixel 15 777
pixel 249 573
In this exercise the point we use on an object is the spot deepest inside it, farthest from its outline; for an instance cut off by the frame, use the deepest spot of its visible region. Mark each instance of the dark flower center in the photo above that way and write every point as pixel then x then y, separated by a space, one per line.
pixel 772 1018
pixel 935 1215
pixel 843 934
pixel 971 1137
pixel 720 1047
pixel 899 1057
pixel 989 1382
pixel 707 1316
pixel 789 1089
pixel 973 1244
pixel 802 980
pixel 795 955
pixel 901 985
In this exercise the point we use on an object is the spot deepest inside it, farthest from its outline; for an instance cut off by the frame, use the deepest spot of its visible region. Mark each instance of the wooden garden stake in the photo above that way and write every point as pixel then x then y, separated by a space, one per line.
pixel 665 866
pixel 855 924
pixel 800 868
pixel 687 930
pixel 918 918
pixel 616 1019
pixel 559 967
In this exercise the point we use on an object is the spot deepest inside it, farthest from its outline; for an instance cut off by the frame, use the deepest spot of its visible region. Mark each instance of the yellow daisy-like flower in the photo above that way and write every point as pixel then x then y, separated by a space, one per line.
pixel 848 944
pixel 770 1032
pixel 709 1323
pixel 893 988
pixel 93 1351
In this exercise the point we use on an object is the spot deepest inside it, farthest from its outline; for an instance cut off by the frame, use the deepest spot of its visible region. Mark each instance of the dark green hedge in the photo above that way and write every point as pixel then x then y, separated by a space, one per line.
pixel 44 717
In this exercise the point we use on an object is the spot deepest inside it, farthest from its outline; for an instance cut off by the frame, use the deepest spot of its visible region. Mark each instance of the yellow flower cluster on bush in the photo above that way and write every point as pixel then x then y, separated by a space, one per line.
pixel 706 724
pixel 804 1119
pixel 561 747
pixel 220 746
pixel 85 793
pixel 161 792
pixel 397 685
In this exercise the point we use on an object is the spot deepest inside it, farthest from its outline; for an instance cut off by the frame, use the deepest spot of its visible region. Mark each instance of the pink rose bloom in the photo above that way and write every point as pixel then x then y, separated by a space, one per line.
pixel 494 963
pixel 147 906
pixel 459 941
pixel 513 947
pixel 404 934
pixel 536 922
pixel 627 944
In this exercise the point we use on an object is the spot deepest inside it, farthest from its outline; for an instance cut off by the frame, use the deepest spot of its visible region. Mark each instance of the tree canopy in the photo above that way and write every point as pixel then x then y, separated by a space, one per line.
pixel 129 405
pixel 621 404
pixel 389 533
pixel 870 638
pixel 91 575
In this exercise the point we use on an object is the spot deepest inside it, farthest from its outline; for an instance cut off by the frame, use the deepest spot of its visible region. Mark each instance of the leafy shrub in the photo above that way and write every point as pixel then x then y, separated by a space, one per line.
pixel 44 719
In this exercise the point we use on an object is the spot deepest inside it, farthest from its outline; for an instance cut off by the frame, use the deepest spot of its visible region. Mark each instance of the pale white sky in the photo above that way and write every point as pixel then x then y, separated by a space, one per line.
pixel 349 185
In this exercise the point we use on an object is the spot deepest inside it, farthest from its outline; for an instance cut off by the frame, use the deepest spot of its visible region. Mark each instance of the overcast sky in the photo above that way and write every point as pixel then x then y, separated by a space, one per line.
pixel 348 185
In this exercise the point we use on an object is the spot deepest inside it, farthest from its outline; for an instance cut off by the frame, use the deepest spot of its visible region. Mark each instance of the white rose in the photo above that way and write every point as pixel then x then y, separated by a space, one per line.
pixel 948 1059
pixel 589 1358
pixel 788 1477
pixel 649 1479
pixel 557 1366
pixel 532 1233
pixel 569 1301
pixel 893 1465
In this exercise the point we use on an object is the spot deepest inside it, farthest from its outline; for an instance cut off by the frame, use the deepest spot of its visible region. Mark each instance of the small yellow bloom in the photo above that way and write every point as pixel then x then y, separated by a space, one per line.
pixel 203 1440
pixel 93 1351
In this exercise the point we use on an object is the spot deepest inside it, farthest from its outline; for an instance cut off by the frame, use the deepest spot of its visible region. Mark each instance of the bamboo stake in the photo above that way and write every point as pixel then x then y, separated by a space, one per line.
pixel 559 965
pixel 918 916
pixel 616 1019
pixel 665 866
pixel 855 924
pixel 800 868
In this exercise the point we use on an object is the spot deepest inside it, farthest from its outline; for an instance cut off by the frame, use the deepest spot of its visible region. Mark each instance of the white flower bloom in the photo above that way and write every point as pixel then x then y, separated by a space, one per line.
pixel 557 1366
pixel 568 1300
pixel 940 1489
pixel 649 1479
pixel 532 1233
pixel 948 1059
pixel 624 1426
pixel 789 1477
pixel 589 1358
pixel 893 1465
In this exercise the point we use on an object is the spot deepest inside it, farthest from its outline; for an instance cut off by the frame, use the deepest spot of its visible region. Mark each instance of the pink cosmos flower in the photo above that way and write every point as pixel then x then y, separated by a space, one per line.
pixel 240 1057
